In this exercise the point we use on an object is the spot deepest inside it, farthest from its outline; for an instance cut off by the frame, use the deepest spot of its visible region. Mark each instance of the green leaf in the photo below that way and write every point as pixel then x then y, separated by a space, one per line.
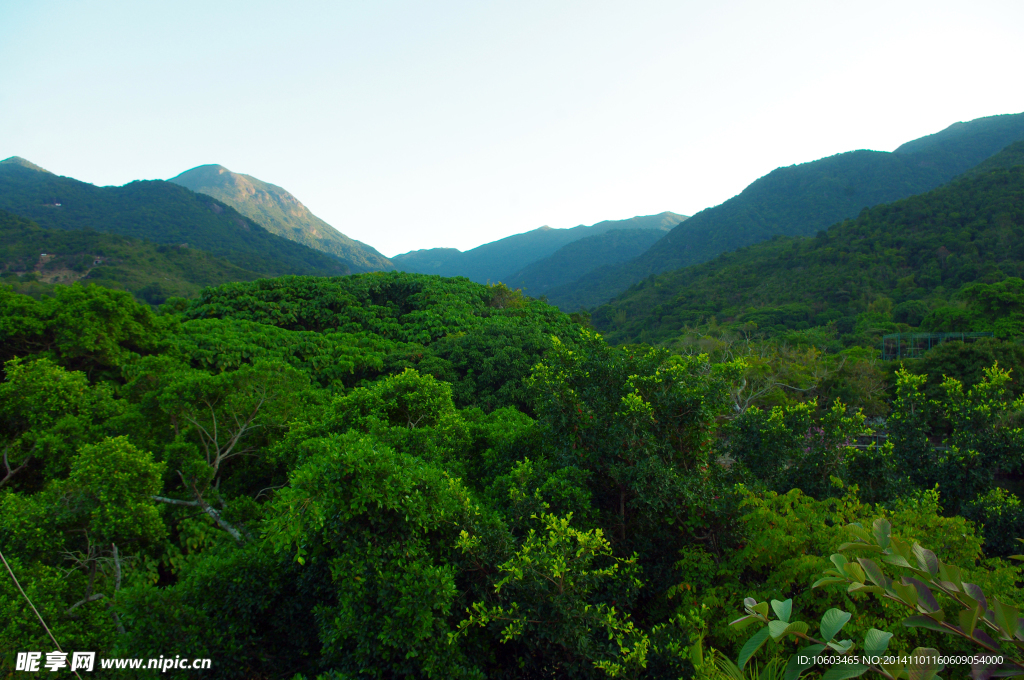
pixel 882 530
pixel 743 622
pixel 761 608
pixel 1006 617
pixel 845 670
pixel 783 609
pixel 794 669
pixel 860 546
pixel 969 619
pixel 876 641
pixel 780 629
pixel 857 530
pixel 906 593
pixel 873 572
pixel 926 560
pixel 832 622
pixel 839 561
pixel 861 588
pixel 926 670
pixel 855 571
pixel 827 580
pixel 751 646
pixel 924 622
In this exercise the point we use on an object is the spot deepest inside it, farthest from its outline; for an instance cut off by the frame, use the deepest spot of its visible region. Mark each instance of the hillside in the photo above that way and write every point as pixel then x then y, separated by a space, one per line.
pixel 802 199
pixel 575 259
pixel 280 213
pixel 160 212
pixel 895 263
pixel 32 258
pixel 501 259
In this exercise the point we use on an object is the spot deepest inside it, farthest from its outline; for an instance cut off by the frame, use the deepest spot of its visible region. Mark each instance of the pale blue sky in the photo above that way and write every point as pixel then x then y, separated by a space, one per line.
pixel 420 124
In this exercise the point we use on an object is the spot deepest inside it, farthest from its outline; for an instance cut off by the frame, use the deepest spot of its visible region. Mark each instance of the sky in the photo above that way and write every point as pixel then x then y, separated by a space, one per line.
pixel 411 125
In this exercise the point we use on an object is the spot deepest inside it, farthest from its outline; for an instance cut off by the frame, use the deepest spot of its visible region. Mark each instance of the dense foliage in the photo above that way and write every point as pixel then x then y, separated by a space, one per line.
pixel 397 475
pixel 31 259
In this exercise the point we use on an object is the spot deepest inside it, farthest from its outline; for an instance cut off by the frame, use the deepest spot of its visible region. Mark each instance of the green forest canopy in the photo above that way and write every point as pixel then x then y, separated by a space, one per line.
pixel 398 475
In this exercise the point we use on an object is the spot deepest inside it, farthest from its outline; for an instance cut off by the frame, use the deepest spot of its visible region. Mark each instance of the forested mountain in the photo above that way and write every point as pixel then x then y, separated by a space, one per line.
pixel 575 259
pixel 501 259
pixel 160 212
pixel 916 254
pixel 32 258
pixel 18 160
pixel 280 213
pixel 802 199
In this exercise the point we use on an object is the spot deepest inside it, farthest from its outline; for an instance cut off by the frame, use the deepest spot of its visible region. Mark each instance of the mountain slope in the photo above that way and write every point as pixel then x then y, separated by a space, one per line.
pixel 160 212
pixel 916 253
pixel 280 213
pixel 18 160
pixel 800 200
pixel 30 256
pixel 575 259
pixel 498 260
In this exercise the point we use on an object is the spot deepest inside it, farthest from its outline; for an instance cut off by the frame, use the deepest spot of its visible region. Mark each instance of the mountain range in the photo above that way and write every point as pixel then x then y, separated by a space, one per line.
pixel 160 212
pixel 501 260
pixel 905 262
pixel 280 213
pixel 802 199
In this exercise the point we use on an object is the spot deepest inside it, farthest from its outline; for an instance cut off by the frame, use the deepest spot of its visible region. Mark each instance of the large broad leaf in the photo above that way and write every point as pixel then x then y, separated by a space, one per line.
pixel 827 580
pixel 796 667
pixel 779 629
pixel 845 670
pixel 861 546
pixel 783 609
pixel 925 599
pixel 907 593
pixel 969 619
pixel 927 669
pixel 751 646
pixel 925 622
pixel 743 622
pixel 861 588
pixel 876 641
pixel 857 530
pixel 1006 617
pixel 873 572
pixel 855 571
pixel 926 560
pixel 832 622
pixel 882 530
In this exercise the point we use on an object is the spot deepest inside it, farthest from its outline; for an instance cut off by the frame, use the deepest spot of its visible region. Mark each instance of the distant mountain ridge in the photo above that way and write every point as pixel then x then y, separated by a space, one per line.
pixel 578 258
pixel 161 212
pixel 917 253
pixel 800 200
pixel 280 213
pixel 499 260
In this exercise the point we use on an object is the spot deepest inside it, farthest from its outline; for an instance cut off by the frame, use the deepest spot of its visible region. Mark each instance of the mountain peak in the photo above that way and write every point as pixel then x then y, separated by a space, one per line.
pixel 281 213
pixel 18 160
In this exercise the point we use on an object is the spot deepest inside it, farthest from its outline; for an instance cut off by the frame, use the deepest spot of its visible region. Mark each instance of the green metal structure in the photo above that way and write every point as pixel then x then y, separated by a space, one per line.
pixel 914 345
